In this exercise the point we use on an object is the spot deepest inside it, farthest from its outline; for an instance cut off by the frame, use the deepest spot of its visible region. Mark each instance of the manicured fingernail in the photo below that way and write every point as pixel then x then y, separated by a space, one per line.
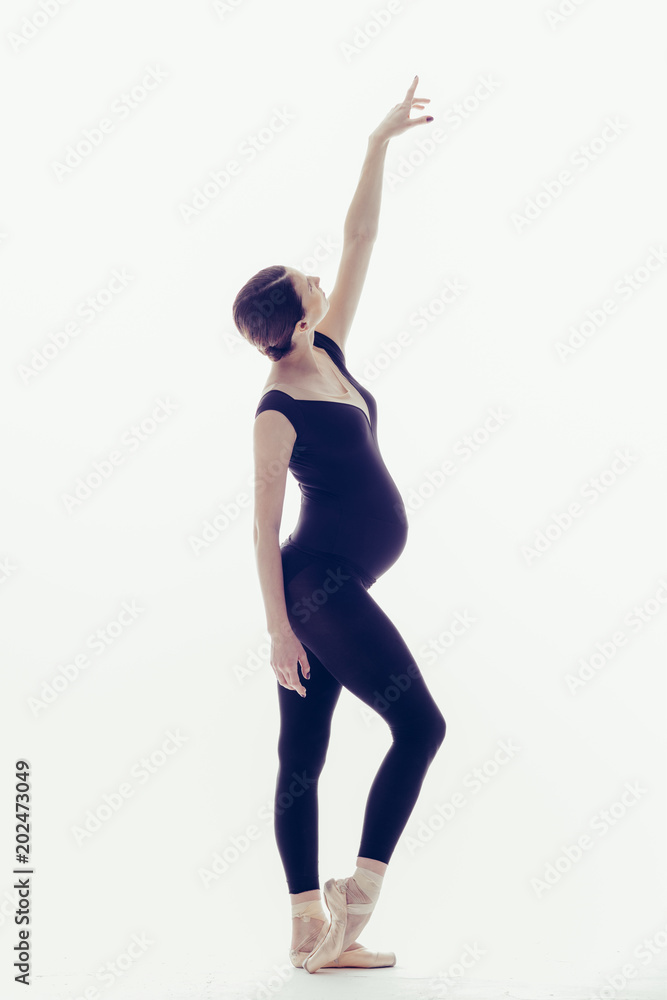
pixel 429 118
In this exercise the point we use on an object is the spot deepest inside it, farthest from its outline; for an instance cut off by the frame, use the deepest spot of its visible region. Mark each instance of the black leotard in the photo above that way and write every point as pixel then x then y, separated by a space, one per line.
pixel 350 505
pixel 351 528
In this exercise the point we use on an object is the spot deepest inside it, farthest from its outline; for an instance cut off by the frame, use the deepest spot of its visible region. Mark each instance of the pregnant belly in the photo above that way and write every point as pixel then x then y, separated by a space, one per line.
pixel 368 545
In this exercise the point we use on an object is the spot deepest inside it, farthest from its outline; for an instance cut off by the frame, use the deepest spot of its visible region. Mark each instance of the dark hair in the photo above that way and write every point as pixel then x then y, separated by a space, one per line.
pixel 267 309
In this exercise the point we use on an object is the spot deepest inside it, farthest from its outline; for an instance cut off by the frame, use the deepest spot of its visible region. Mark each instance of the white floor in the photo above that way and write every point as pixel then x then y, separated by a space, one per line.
pixel 266 982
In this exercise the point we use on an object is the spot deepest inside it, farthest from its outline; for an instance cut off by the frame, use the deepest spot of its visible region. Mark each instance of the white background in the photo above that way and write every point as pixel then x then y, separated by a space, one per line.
pixel 194 659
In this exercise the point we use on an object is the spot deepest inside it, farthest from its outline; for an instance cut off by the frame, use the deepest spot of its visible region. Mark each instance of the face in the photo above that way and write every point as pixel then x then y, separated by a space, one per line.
pixel 313 298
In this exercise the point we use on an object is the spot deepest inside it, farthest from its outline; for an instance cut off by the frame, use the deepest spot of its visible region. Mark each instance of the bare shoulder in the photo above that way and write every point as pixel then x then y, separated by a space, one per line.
pixel 276 385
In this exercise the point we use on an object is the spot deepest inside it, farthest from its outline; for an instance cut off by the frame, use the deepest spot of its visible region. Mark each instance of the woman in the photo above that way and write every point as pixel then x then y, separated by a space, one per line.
pixel 317 420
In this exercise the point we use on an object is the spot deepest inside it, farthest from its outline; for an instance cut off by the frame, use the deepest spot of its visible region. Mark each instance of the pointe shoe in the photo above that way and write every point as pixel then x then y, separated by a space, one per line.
pixel 297 958
pixel 354 958
pixel 362 958
pixel 331 945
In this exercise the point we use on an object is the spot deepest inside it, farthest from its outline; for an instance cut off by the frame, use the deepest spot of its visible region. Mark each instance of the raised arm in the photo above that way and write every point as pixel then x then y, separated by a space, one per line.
pixel 361 222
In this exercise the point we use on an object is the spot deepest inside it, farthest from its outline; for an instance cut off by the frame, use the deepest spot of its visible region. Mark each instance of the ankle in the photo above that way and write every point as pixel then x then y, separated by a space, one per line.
pixel 379 867
pixel 304 897
pixel 369 881
pixel 308 920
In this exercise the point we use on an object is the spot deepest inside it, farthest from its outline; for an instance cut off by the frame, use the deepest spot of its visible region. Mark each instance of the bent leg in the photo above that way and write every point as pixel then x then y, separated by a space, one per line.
pixel 333 614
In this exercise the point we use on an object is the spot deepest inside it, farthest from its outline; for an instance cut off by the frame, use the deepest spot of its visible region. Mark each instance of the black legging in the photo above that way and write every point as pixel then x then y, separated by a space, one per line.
pixel 349 641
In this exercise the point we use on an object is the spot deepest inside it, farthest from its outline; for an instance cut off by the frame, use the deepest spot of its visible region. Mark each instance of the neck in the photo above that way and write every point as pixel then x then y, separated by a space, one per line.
pixel 303 359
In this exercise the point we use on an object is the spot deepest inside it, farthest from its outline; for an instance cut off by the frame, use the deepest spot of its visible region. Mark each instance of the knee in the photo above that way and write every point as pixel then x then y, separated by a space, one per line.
pixel 310 757
pixel 443 729
pixel 436 731
pixel 425 732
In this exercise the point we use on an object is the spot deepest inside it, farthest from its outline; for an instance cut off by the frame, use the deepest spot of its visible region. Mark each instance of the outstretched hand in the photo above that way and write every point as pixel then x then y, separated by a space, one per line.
pixel 398 120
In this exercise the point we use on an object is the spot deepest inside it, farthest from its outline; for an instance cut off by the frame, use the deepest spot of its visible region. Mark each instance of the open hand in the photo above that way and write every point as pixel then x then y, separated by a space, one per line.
pixel 398 120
